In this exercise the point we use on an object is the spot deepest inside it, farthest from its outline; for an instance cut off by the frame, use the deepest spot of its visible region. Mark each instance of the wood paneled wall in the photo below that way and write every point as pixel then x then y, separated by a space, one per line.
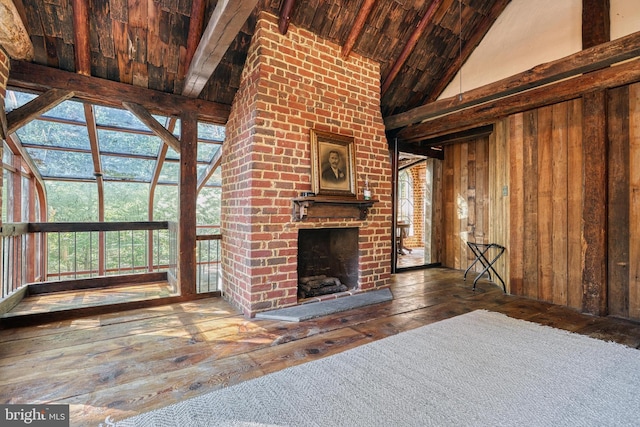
pixel 545 206
pixel 523 187
pixel 623 106
pixel 466 200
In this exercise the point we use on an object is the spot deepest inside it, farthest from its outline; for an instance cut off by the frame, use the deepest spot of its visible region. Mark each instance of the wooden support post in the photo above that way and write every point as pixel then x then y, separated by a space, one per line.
pixel 594 208
pixel 187 208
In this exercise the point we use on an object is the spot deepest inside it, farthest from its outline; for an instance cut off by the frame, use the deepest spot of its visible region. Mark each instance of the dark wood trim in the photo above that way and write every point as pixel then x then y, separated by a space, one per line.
pixel 33 77
pixel 95 282
pixel 53 227
pixel 594 205
pixel 411 44
pixel 596 24
pixel 187 204
pixel 357 27
pixel 196 24
pixel 628 72
pixel 592 59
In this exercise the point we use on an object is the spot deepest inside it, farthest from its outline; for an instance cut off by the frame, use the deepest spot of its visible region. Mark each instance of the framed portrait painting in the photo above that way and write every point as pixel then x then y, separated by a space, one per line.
pixel 333 164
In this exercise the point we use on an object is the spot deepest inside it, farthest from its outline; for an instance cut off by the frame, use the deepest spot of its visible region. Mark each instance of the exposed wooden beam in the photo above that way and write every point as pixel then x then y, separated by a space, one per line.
pixel 34 108
pixel 92 132
pixel 145 117
pixel 29 76
pixel 421 150
pixel 213 165
pixel 285 15
pixel 196 23
pixel 223 27
pixel 81 36
pixel 625 73
pixel 411 44
pixel 596 24
pixel 14 37
pixel 16 147
pixel 470 45
pixel 357 27
pixel 591 59
pixel 187 195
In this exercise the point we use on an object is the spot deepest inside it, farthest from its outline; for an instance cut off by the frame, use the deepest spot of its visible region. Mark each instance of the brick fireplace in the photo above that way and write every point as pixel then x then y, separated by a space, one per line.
pixel 290 85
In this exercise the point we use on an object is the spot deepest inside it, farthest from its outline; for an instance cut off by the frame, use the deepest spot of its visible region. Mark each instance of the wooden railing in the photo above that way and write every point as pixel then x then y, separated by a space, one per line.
pixel 35 253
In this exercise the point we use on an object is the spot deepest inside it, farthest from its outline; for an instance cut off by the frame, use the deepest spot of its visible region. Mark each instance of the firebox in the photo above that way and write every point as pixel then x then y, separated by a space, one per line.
pixel 327 261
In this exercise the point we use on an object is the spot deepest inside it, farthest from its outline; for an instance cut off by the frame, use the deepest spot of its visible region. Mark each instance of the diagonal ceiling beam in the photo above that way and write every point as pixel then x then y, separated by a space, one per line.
pixel 213 165
pixel 358 25
pixel 145 117
pixel 226 21
pixel 81 36
pixel 285 15
pixel 470 45
pixel 411 44
pixel 34 108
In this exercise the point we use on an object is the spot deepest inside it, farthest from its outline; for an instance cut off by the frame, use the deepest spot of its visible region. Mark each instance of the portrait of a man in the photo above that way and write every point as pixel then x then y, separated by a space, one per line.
pixel 333 164
pixel 332 170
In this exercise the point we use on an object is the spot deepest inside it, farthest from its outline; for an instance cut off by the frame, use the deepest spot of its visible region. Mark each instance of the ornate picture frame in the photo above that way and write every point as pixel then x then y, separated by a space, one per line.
pixel 333 164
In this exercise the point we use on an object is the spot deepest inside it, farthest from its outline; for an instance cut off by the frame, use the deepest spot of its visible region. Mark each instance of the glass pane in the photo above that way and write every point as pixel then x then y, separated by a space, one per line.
pixel 127 168
pixel 126 201
pixel 17 99
pixel 170 172
pixel 206 151
pixel 128 143
pixel 41 132
pixel 211 132
pixel 116 117
pixel 171 154
pixel 72 201
pixel 62 164
pixel 165 206
pixel 68 110
pixel 215 180
pixel 208 209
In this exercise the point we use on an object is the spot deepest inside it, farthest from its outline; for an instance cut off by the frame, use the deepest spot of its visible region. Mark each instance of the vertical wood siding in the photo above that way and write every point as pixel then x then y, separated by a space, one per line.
pixel 466 200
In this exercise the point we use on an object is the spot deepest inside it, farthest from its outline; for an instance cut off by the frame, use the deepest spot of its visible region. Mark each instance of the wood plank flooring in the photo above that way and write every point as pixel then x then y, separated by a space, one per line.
pixel 124 363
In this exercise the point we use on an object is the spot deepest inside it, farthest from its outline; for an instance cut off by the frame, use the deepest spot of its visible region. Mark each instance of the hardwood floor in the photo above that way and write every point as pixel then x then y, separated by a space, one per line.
pixel 120 364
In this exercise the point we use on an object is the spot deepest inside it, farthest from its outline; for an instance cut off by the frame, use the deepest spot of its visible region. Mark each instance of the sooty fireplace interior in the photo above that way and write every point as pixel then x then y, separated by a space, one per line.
pixel 327 261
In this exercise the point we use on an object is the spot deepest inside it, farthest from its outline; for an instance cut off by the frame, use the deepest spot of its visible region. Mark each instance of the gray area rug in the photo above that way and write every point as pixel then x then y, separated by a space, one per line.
pixel 312 310
pixel 478 369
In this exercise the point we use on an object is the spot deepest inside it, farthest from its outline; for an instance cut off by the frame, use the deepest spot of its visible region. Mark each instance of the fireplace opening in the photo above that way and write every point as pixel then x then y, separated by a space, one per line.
pixel 327 261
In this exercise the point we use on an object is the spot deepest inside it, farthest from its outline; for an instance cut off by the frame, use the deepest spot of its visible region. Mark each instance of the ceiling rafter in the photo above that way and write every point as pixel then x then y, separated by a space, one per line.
pixel 196 24
pixel 34 108
pixel 591 59
pixel 223 27
pixel 358 25
pixel 81 37
pixel 411 44
pixel 213 165
pixel 467 50
pixel 285 15
pixel 145 117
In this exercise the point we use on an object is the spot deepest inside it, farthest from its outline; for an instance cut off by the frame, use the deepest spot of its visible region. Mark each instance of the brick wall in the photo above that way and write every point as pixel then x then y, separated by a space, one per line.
pixel 291 84
pixel 418 176
pixel 4 78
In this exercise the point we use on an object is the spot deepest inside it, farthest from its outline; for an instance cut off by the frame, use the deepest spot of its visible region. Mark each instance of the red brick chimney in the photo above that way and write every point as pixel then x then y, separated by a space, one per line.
pixel 290 85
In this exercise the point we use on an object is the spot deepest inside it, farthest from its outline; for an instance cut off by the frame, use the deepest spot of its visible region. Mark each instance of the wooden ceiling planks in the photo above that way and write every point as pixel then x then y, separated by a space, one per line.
pixel 149 43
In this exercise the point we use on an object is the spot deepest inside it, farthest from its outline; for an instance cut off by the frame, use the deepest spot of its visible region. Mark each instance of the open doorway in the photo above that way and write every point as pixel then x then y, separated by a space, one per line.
pixel 418 211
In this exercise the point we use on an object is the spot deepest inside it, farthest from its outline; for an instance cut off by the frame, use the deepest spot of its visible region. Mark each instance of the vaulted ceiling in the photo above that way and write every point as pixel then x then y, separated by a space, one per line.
pixel 197 48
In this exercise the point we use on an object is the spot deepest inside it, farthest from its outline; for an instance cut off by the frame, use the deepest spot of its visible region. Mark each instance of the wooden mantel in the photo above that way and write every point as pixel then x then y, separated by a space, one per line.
pixel 331 207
